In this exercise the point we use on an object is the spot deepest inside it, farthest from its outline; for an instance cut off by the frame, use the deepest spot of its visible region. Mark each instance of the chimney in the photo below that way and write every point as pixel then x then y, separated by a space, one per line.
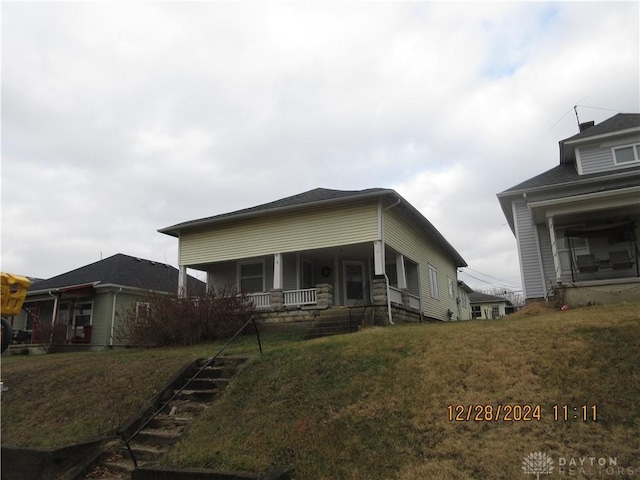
pixel 586 125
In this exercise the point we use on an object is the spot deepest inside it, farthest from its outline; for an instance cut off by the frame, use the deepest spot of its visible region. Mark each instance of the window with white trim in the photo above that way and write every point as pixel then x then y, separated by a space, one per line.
pixel 251 277
pixel 82 314
pixel 495 311
pixel 626 154
pixel 433 281
pixel 452 290
pixel 142 312
pixel 476 311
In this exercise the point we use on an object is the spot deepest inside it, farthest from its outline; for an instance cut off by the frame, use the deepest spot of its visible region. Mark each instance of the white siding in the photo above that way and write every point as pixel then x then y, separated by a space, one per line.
pixel 411 243
pixel 595 159
pixel 528 250
pixel 291 232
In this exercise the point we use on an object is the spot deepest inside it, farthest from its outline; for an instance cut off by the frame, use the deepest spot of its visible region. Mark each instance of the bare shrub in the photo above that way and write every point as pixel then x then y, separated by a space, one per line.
pixel 170 320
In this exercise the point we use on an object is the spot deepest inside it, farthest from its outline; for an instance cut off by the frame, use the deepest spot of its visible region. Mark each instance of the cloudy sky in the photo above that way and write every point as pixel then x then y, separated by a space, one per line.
pixel 122 118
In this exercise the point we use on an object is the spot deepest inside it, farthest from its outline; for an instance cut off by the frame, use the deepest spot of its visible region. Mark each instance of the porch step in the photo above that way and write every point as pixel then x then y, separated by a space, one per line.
pixel 166 429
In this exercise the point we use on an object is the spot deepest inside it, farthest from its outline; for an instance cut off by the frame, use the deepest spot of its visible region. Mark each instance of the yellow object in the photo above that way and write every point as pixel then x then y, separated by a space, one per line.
pixel 14 291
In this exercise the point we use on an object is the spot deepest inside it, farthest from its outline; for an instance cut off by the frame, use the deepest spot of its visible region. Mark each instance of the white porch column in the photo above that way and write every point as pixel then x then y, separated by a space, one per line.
pixel 277 271
pixel 378 257
pixel 182 281
pixel 554 249
pixel 401 272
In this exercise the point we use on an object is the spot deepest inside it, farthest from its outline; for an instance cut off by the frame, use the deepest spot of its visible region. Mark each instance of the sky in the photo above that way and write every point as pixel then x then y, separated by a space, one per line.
pixel 122 118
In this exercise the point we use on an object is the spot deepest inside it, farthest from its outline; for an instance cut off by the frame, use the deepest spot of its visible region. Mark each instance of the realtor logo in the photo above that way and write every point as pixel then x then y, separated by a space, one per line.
pixel 537 463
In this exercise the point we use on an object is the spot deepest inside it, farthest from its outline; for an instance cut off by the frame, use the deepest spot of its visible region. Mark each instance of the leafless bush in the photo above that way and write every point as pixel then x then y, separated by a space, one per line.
pixel 170 320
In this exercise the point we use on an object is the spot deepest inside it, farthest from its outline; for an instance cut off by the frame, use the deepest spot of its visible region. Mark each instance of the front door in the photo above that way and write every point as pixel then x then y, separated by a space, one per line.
pixel 353 282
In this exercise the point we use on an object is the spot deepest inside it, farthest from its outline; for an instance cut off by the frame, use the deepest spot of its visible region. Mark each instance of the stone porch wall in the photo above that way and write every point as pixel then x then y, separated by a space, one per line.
pixel 600 292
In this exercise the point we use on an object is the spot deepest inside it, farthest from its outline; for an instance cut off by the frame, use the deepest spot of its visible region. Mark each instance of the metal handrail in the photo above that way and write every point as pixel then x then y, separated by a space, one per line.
pixel 209 361
pixel 363 302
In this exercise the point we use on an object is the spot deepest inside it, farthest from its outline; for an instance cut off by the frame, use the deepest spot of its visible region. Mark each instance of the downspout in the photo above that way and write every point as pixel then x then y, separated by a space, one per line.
pixel 113 316
pixel 386 281
pixel 386 278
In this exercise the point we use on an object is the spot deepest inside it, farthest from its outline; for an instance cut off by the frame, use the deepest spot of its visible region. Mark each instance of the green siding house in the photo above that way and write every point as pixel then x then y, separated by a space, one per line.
pixel 327 250
pixel 91 301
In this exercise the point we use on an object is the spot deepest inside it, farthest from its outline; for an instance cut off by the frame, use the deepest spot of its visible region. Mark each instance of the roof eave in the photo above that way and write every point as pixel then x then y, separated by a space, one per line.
pixel 174 230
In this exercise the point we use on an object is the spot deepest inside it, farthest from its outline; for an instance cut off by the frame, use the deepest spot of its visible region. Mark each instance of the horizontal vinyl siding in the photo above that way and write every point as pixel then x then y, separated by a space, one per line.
pixel 404 239
pixel 291 232
pixel 101 318
pixel 594 159
pixel 125 304
pixel 528 250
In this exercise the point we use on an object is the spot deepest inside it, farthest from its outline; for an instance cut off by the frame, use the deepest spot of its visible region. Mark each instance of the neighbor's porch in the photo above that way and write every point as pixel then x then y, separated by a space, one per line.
pixel 322 278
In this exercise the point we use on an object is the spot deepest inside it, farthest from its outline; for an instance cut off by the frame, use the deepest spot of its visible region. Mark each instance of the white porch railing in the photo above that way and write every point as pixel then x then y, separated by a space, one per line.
pixel 261 299
pixel 307 296
pixel 395 295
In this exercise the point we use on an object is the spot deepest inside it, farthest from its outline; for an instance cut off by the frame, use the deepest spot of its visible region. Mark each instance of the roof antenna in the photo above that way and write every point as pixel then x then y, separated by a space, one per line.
pixel 575 109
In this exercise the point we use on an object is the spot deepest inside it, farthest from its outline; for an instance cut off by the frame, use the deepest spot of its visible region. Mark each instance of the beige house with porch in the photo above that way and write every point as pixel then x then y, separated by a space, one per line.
pixel 327 250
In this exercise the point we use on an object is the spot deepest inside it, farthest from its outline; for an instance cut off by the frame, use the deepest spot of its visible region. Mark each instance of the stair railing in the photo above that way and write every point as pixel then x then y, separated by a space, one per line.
pixel 127 439
pixel 359 308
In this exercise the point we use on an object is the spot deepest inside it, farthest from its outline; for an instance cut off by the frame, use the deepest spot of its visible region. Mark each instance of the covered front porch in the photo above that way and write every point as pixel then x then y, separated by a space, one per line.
pixel 589 236
pixel 321 278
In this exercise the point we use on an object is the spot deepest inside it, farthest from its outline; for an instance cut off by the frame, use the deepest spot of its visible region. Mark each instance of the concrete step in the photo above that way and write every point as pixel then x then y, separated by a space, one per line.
pixel 198 395
pixel 144 452
pixel 155 437
pixel 216 372
pixel 208 383
pixel 166 421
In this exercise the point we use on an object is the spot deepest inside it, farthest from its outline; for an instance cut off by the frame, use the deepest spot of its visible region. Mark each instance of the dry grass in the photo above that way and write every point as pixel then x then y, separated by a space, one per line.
pixel 374 405
pixel 371 405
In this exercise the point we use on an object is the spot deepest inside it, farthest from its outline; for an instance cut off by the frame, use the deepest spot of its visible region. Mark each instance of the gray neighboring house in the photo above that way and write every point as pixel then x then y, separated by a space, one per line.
pixel 576 225
pixel 484 306
pixel 92 300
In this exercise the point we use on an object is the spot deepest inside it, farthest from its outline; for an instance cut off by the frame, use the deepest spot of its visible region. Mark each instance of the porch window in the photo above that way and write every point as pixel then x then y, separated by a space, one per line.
pixel 628 154
pixel 252 277
pixel 82 314
pixel 64 315
pixel 580 247
pixel 433 281
pixel 307 274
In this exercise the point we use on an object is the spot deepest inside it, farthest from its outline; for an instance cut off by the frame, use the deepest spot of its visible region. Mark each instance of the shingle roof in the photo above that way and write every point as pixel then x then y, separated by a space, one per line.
pixel 564 174
pixel 121 270
pixel 477 297
pixel 621 121
pixel 311 197
pixel 322 196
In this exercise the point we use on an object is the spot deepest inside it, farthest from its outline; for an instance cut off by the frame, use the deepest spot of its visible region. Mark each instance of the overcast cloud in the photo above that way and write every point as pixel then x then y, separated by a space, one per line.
pixel 122 118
